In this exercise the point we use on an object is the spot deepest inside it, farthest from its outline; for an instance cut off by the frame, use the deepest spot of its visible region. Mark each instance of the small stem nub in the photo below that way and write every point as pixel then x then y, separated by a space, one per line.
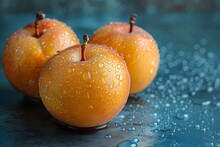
pixel 83 47
pixel 39 16
pixel 132 22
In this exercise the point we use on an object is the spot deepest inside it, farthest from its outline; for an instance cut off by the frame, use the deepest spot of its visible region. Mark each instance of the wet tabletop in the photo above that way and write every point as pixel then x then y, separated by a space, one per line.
pixel 180 108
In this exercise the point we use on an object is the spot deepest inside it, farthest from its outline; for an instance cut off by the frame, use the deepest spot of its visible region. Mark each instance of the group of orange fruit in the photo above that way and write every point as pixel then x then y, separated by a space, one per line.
pixel 81 85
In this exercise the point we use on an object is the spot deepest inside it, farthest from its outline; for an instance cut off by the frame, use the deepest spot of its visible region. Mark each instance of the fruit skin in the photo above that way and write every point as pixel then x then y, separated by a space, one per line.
pixel 85 93
pixel 24 55
pixel 138 48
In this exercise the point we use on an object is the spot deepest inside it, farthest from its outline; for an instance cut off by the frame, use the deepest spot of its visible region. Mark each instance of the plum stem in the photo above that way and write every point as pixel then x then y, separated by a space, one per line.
pixel 132 22
pixel 39 16
pixel 85 41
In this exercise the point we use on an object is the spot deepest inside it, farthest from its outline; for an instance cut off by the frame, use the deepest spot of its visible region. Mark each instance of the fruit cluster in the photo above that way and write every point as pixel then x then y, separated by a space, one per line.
pixel 82 85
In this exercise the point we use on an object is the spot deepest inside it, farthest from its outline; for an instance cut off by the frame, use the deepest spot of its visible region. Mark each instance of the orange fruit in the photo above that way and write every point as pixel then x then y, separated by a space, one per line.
pixel 85 93
pixel 138 48
pixel 25 54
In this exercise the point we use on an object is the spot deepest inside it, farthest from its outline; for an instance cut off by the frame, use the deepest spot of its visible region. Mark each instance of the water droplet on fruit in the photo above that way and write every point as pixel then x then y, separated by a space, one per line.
pixel 86 76
pixel 153 62
pixel 67 33
pixel 120 77
pixel 119 66
pixel 101 82
pixel 114 84
pixel 101 65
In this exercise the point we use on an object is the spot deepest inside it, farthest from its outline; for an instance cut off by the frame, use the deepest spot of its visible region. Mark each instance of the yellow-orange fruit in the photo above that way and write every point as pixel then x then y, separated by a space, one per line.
pixel 85 93
pixel 24 55
pixel 138 48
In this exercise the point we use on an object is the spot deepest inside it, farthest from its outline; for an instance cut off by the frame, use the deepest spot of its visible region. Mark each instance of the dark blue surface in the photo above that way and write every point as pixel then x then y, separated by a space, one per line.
pixel 180 108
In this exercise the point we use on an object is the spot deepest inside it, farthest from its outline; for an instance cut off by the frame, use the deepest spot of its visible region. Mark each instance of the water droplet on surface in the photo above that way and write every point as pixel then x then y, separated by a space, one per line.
pixel 206 103
pixel 197 126
pixel 210 89
pixel 131 129
pixel 218 104
pixel 108 136
pixel 127 143
pixel 185 96
pixel 131 142
pixel 122 124
pixel 122 129
pixel 160 87
pixel 203 102
pixel 182 116
pixel 167 105
pixel 136 140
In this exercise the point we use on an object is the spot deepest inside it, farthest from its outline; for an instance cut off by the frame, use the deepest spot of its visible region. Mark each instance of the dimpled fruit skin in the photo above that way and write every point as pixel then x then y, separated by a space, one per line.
pixel 138 48
pixel 85 93
pixel 24 55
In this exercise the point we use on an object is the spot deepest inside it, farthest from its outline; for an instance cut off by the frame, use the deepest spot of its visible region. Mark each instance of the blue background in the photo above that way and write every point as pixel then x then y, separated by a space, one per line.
pixel 180 108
